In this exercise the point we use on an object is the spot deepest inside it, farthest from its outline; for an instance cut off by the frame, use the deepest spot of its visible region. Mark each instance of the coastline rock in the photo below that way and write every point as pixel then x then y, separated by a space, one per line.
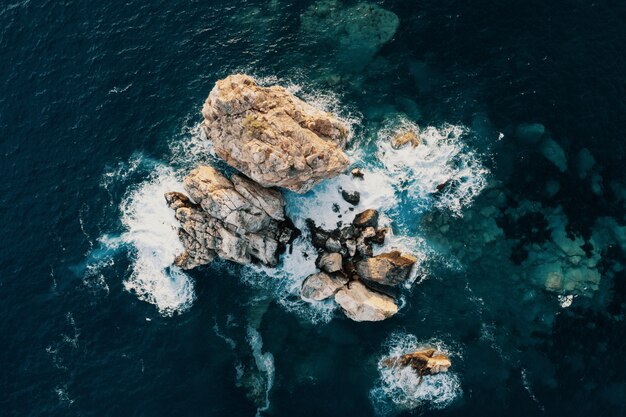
pixel 320 286
pixel 362 304
pixel 236 220
pixel 368 218
pixel 273 137
pixel 391 268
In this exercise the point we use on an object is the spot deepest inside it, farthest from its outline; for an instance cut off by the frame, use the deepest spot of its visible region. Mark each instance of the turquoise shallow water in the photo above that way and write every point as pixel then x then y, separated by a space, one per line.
pixel 520 276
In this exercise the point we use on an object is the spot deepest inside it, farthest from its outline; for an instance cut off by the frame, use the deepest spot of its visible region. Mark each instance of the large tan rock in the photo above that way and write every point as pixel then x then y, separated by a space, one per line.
pixel 272 136
pixel 362 304
pixel 320 286
pixel 391 268
pixel 236 220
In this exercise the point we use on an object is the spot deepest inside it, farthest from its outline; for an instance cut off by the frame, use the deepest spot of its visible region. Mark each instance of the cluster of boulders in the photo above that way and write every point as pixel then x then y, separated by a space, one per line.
pixel 277 140
pixel 351 273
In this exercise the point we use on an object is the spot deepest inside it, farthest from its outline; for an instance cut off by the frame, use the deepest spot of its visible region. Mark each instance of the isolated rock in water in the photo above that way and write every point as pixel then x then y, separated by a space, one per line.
pixel 358 31
pixel 320 286
pixel 529 133
pixel 352 197
pixel 362 304
pixel 391 268
pixel 368 218
pixel 272 136
pixel 403 139
pixel 236 220
pixel 424 362
pixel 357 173
pixel 330 262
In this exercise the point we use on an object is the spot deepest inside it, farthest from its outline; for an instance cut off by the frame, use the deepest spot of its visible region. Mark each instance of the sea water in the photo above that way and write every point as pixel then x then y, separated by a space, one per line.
pixel 520 264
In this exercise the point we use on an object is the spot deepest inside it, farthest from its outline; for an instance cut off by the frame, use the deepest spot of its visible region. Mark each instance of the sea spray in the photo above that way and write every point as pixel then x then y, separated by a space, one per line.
pixel 401 389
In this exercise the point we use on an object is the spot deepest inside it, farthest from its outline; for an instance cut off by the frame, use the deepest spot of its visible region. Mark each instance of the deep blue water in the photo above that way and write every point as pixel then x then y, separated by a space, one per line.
pixel 96 96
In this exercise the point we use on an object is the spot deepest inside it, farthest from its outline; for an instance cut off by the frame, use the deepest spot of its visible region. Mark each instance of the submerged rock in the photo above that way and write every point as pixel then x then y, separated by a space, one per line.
pixel 391 268
pixel 357 31
pixel 320 286
pixel 554 153
pixel 529 133
pixel 236 219
pixel 273 137
pixel 362 304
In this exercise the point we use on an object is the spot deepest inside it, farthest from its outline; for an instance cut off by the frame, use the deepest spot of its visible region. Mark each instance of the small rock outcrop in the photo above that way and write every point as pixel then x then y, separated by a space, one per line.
pixel 273 137
pixel 402 139
pixel 423 362
pixel 234 219
pixel 362 304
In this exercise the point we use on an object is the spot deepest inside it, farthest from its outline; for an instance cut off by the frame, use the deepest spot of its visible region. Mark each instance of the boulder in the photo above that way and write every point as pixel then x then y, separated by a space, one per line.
pixel 352 197
pixel 402 139
pixel 236 220
pixel 368 218
pixel 391 268
pixel 357 173
pixel 273 137
pixel 362 304
pixel 320 286
pixel 330 262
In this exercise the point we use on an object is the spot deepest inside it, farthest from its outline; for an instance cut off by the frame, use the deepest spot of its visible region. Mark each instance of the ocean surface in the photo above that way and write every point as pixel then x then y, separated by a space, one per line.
pixel 520 276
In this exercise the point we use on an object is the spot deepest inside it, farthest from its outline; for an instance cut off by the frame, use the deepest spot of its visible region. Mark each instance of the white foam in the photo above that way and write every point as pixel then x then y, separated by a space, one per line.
pixel 265 364
pixel 442 157
pixel 399 389
pixel 151 230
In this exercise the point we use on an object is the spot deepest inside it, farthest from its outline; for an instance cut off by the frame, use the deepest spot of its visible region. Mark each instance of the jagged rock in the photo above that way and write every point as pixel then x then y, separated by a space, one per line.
pixel 272 136
pixel 236 220
pixel 424 362
pixel 366 219
pixel 402 139
pixel 357 173
pixel 330 262
pixel 362 304
pixel 391 268
pixel 352 197
pixel 318 287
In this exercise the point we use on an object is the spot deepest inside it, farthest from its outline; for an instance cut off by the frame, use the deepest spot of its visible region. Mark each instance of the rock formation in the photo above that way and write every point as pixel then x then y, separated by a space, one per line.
pixel 273 137
pixel 423 362
pixel 350 271
pixel 235 219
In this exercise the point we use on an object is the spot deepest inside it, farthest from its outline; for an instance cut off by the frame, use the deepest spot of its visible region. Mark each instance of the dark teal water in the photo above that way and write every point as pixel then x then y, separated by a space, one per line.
pixel 99 105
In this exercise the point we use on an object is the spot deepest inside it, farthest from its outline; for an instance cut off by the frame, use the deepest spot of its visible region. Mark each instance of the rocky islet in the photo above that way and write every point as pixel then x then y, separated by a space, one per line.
pixel 278 140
